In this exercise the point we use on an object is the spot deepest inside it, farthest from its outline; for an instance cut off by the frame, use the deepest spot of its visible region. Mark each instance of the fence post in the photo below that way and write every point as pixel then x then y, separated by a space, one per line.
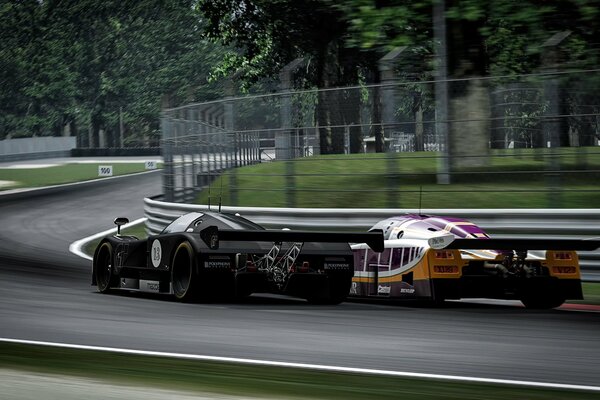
pixel 233 195
pixel 391 167
pixel 550 62
pixel 283 142
pixel 389 88
pixel 290 183
pixel 441 91
pixel 167 154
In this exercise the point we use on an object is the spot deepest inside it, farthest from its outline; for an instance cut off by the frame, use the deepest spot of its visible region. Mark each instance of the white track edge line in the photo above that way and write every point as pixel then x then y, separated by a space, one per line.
pixel 76 246
pixel 329 368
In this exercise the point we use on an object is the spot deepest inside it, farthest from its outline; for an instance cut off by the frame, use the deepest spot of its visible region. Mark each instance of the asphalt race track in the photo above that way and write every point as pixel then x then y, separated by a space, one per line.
pixel 45 295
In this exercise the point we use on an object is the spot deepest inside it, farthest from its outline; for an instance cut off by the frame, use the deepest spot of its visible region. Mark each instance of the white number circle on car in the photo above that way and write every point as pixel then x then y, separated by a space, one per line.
pixel 156 253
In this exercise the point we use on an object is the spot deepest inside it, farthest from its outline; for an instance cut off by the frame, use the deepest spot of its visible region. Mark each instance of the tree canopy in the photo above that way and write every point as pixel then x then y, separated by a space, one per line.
pixel 82 66
pixel 76 65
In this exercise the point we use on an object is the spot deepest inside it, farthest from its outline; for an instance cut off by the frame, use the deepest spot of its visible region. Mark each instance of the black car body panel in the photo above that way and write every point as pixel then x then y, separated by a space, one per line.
pixel 215 255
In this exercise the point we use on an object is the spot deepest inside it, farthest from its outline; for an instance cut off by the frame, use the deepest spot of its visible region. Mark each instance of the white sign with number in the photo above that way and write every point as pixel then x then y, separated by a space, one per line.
pixel 105 170
pixel 151 165
pixel 156 253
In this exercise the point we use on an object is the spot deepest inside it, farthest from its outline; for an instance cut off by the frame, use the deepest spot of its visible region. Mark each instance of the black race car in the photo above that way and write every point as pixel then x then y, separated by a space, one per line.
pixel 202 256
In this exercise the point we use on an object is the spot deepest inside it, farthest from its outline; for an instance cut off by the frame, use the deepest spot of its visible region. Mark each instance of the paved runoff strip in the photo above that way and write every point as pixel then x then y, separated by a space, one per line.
pixel 314 367
pixel 77 245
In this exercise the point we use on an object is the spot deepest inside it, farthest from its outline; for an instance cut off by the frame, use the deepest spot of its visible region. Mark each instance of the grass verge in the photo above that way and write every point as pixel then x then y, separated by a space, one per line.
pixel 591 294
pixel 67 173
pixel 510 179
pixel 256 381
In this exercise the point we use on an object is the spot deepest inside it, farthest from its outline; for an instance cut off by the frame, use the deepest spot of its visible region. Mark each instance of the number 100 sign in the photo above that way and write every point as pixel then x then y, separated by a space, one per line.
pixel 105 170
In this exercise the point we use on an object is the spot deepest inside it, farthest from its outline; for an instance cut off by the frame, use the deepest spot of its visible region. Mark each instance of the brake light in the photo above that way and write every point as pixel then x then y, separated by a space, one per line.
pixel 250 266
pixel 563 256
pixel 305 267
pixel 564 270
pixel 444 254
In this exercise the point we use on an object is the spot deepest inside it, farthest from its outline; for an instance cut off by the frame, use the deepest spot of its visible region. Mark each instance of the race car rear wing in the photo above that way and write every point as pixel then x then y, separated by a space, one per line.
pixel 212 235
pixel 524 244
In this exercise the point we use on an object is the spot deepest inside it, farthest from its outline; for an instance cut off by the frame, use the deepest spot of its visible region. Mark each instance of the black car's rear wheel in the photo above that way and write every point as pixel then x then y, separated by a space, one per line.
pixel 103 271
pixel 184 277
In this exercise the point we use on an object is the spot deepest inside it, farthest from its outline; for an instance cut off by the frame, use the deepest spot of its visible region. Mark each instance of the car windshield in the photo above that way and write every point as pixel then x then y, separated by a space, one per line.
pixel 182 223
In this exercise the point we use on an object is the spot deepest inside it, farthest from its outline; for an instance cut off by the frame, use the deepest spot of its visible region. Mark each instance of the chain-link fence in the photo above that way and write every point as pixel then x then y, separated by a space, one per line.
pixel 493 126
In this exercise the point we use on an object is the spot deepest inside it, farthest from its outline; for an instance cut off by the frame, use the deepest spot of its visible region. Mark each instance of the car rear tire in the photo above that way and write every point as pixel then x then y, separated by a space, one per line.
pixel 104 271
pixel 184 276
pixel 542 303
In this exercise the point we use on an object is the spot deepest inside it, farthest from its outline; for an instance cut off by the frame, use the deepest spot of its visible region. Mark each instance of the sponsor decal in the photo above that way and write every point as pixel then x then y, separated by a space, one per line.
pixel 407 290
pixel 105 170
pixel 120 258
pixel 217 264
pixel 336 265
pixel 439 242
pixel 436 241
pixel 156 253
pixel 354 288
pixel 214 241
pixel 384 289
pixel 122 251
pixel 149 286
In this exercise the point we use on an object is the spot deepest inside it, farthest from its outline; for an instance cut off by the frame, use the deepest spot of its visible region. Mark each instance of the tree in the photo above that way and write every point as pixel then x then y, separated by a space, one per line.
pixel 502 37
pixel 82 66
pixel 267 35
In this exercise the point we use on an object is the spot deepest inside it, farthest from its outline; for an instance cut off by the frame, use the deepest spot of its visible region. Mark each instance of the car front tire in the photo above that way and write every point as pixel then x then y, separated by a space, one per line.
pixel 104 270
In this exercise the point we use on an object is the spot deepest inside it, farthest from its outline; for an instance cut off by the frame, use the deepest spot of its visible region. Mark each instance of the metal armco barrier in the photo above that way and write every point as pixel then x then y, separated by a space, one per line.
pixel 515 223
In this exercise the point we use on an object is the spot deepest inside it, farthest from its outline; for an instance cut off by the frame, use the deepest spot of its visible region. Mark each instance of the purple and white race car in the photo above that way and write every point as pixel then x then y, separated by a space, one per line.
pixel 438 258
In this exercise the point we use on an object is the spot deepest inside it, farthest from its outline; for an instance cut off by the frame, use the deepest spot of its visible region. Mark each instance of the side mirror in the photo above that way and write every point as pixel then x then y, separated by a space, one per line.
pixel 120 221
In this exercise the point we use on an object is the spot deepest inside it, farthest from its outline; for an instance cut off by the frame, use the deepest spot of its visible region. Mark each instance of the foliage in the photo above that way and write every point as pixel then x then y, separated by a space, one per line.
pixel 268 35
pixel 86 65
pixel 79 67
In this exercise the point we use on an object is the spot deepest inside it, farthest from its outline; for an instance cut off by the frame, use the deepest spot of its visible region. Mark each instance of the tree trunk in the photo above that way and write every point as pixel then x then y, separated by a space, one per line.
pixel 337 109
pixel 419 145
pixel 469 105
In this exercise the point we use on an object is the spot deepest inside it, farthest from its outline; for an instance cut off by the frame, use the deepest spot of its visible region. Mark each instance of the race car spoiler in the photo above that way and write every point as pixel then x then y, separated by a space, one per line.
pixel 212 235
pixel 524 244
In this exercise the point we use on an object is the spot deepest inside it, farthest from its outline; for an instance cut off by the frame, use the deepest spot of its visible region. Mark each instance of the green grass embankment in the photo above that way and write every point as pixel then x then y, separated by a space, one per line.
pixel 510 179
pixel 59 174
pixel 256 381
pixel 591 294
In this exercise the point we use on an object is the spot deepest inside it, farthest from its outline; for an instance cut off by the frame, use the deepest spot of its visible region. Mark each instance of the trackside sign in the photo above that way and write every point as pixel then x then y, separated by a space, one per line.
pixel 151 165
pixel 105 170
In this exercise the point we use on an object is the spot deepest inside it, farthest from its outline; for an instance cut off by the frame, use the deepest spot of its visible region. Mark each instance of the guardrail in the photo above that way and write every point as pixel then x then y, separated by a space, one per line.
pixel 515 223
